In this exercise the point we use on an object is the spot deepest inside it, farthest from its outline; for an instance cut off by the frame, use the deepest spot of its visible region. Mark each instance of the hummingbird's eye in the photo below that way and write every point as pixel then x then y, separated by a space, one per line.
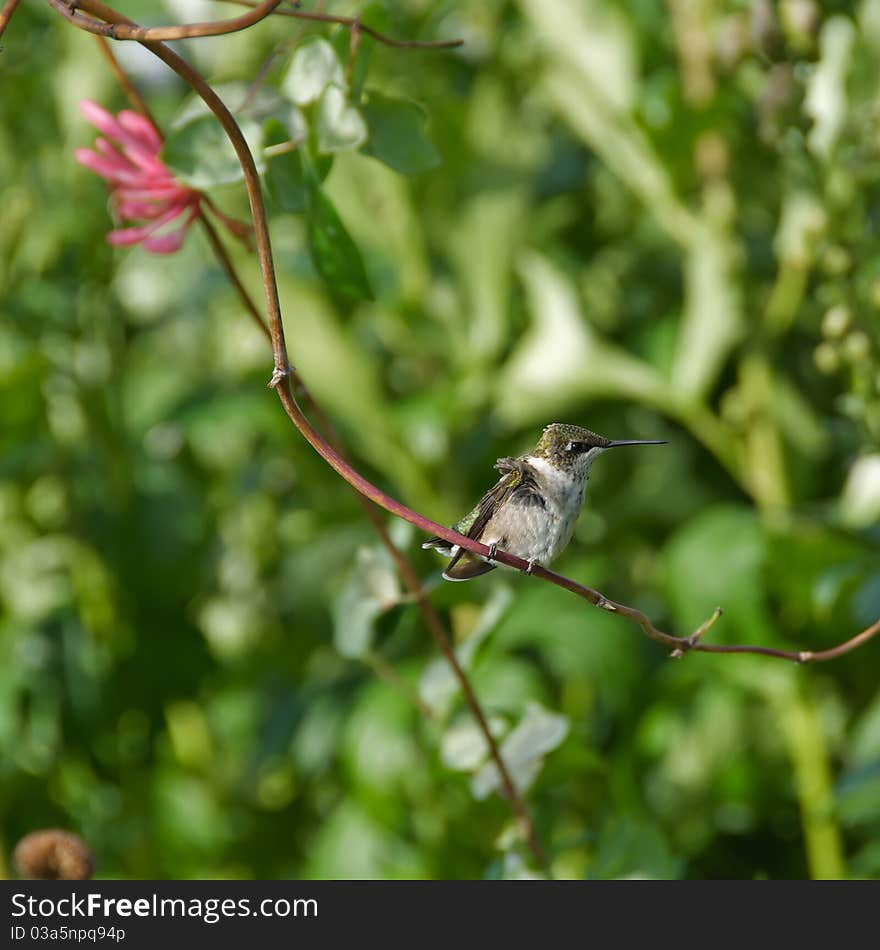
pixel 575 447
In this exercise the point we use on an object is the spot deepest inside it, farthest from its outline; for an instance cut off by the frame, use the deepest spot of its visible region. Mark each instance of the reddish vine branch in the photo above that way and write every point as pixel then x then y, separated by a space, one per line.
pixel 354 23
pixel 276 334
pixel 126 30
pixel 6 14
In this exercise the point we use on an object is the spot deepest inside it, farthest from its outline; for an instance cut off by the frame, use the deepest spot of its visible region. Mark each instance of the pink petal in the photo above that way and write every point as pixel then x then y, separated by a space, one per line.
pixel 166 243
pixel 141 232
pixel 123 237
pixel 153 191
pixel 139 150
pixel 134 156
pixel 112 154
pixel 101 119
pixel 106 169
pixel 149 164
pixel 141 128
pixel 172 240
pixel 132 210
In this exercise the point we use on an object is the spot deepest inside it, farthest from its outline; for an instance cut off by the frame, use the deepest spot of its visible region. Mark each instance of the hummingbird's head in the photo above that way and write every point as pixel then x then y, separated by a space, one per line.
pixel 573 449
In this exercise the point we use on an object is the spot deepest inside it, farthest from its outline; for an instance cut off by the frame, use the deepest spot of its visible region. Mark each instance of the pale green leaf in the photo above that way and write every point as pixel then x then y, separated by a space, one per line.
pixel 464 747
pixel 562 357
pixel 201 155
pixel 523 750
pixel 313 68
pixel 826 99
pixel 437 683
pixel 339 126
pixel 371 589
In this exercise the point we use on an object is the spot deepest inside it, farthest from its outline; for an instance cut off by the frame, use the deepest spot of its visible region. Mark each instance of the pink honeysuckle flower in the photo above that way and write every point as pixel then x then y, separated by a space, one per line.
pixel 142 188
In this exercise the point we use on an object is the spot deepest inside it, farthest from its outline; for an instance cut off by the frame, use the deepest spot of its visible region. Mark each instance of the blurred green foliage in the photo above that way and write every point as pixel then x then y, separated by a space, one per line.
pixel 653 219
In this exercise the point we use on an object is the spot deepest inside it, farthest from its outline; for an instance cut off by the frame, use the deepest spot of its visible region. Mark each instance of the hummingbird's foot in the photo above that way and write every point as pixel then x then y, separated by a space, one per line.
pixel 531 565
pixel 493 550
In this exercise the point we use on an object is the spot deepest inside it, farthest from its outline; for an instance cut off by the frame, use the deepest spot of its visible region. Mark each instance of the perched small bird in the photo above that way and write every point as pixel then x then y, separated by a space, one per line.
pixel 532 510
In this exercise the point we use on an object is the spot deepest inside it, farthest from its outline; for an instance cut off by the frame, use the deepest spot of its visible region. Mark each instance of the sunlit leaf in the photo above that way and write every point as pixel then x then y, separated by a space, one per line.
pixel 339 127
pixel 523 750
pixel 464 747
pixel 314 66
pixel 371 589
pixel 438 683
pixel 860 500
pixel 826 99
pixel 201 155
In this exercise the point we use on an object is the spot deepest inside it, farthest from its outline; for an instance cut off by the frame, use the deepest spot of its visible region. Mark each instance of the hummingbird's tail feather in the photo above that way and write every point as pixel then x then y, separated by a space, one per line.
pixel 438 544
pixel 465 565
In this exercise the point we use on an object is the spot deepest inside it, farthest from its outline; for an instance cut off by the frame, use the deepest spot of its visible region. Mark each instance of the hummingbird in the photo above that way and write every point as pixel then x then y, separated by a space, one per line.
pixel 532 510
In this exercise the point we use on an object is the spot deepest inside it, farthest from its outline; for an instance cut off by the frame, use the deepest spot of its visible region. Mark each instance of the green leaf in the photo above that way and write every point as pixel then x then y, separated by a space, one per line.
pixel 826 100
pixel 313 68
pixel 340 127
pixel 634 850
pixel 464 747
pixel 718 559
pixel 437 683
pixel 341 40
pixel 200 154
pixel 372 589
pixel 397 135
pixel 336 256
pixel 523 750
pixel 285 176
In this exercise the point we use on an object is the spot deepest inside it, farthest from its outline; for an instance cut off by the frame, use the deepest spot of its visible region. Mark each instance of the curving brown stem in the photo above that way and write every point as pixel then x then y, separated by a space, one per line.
pixel 6 14
pixel 283 375
pixel 124 29
pixel 137 101
pixel 354 23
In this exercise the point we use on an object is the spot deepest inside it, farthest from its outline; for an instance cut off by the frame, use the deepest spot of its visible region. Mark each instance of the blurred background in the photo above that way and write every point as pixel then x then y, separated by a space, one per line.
pixel 654 219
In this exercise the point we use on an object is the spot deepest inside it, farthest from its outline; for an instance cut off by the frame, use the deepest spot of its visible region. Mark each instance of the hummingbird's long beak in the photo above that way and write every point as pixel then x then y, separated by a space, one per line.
pixel 614 444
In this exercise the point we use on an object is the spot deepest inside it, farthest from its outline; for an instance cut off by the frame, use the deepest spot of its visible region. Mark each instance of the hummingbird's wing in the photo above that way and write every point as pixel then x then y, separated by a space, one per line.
pixel 464 564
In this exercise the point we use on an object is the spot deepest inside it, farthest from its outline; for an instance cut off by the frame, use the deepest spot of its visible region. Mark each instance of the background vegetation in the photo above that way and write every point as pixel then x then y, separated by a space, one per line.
pixel 657 220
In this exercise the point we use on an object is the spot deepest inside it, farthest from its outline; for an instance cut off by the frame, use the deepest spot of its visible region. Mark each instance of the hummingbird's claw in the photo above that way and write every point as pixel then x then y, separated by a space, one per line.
pixel 493 550
pixel 531 565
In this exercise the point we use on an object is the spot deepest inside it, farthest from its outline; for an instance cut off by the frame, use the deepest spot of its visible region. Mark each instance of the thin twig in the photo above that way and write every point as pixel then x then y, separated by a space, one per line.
pixel 384 670
pixel 6 14
pixel 354 23
pixel 119 30
pixel 223 257
pixel 258 11
pixel 137 101
pixel 284 373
